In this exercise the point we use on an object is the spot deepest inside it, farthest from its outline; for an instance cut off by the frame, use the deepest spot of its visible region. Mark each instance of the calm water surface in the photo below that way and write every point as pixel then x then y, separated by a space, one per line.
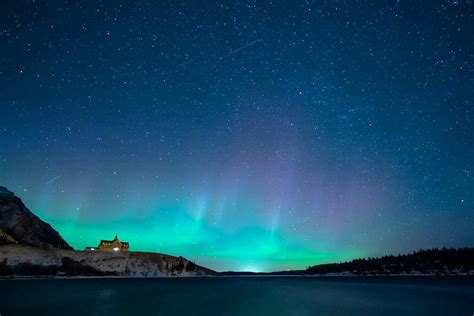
pixel 240 296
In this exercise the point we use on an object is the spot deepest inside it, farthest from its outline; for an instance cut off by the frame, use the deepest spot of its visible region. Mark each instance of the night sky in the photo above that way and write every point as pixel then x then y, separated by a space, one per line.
pixel 244 135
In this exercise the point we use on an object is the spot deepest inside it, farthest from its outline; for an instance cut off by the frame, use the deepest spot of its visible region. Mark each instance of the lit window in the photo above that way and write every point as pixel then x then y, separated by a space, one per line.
pixel 116 249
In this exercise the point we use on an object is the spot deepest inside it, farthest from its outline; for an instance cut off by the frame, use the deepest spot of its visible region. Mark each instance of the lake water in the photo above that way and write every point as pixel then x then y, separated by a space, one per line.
pixel 240 296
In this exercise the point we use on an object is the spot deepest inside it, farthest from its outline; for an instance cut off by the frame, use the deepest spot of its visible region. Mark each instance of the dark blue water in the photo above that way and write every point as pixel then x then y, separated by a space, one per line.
pixel 240 296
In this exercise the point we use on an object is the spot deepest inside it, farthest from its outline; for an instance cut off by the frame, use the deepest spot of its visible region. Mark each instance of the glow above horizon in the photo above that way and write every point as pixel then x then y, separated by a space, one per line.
pixel 296 143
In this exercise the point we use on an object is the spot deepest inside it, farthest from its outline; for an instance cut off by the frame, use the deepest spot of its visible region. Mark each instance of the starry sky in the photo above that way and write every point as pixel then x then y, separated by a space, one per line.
pixel 244 135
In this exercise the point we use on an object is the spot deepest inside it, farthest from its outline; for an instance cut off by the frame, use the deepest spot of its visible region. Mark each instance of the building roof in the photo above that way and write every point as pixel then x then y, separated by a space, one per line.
pixel 124 243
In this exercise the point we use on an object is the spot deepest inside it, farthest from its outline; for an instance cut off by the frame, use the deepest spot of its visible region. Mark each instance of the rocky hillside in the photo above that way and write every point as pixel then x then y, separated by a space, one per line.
pixel 34 261
pixel 19 225
pixel 31 247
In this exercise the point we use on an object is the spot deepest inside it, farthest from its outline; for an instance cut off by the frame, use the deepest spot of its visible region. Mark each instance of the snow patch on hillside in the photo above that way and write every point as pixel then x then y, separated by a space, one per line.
pixel 131 264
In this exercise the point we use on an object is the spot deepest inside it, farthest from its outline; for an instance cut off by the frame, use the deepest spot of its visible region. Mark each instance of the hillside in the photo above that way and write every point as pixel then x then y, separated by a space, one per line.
pixel 31 247
pixel 33 261
pixel 19 225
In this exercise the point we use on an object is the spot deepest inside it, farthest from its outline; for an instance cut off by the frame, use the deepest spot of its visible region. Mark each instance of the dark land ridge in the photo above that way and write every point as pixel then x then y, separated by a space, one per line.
pixel 31 247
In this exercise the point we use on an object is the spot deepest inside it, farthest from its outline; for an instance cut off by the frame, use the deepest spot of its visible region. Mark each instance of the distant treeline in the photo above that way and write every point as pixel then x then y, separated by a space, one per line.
pixel 432 261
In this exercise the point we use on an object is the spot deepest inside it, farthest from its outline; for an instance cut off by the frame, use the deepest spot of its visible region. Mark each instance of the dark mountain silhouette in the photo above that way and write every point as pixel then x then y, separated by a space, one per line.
pixel 19 225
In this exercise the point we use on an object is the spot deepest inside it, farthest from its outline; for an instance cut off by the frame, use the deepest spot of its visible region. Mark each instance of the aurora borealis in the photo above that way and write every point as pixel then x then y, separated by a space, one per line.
pixel 244 135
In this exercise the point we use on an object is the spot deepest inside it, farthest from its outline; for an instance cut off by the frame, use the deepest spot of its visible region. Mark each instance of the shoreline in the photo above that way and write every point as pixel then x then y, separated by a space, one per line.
pixel 322 276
